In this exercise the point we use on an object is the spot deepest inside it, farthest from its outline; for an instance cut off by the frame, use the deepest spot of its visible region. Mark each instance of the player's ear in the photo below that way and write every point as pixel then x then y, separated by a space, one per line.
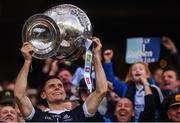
pixel 43 95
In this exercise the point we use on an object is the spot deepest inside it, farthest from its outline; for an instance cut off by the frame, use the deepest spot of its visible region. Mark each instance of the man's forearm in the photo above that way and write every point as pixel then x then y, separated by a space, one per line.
pixel 94 99
pixel 21 80
pixel 101 81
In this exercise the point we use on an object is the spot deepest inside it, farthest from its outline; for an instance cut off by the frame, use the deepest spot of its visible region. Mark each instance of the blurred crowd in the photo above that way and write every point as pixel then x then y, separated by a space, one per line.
pixel 142 96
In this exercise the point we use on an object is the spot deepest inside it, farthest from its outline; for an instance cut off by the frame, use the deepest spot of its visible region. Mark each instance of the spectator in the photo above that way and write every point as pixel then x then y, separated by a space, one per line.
pixel 7 107
pixel 8 114
pixel 7 97
pixel 137 84
pixel 157 76
pixel 124 111
pixel 171 108
pixel 171 82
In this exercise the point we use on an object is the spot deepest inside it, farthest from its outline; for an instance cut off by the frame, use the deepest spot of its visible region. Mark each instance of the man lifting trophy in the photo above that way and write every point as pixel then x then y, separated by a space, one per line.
pixel 62 32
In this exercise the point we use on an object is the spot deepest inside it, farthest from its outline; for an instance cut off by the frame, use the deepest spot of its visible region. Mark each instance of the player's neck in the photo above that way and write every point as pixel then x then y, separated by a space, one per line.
pixel 56 106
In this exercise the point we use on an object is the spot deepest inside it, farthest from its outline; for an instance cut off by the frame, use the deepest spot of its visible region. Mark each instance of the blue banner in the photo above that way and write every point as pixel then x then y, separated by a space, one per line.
pixel 146 49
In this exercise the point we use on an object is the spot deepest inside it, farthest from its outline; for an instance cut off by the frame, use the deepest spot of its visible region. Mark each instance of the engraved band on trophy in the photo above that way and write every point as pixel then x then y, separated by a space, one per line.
pixel 61 32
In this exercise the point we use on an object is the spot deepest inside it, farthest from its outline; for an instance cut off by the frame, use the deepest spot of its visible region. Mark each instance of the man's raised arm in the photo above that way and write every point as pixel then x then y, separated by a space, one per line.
pixel 23 102
pixel 94 99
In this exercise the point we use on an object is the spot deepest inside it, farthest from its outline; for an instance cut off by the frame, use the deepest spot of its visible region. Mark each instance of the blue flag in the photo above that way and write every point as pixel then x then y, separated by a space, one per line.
pixel 145 49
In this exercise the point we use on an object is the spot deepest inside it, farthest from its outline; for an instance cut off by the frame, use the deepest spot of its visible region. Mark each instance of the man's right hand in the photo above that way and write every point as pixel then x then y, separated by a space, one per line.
pixel 28 50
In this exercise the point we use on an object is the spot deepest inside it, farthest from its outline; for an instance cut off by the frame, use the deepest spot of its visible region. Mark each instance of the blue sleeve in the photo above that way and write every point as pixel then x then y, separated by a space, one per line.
pixel 119 86
pixel 151 81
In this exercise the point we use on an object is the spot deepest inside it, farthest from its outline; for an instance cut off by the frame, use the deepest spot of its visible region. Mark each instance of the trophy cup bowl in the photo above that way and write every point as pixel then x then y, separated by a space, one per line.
pixel 60 32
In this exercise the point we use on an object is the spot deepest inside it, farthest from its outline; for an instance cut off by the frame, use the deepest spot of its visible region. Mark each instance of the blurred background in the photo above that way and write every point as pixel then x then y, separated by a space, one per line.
pixel 113 22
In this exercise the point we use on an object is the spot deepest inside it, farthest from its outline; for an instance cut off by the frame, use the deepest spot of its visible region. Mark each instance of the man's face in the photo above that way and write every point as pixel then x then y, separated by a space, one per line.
pixel 170 80
pixel 53 91
pixel 174 114
pixel 8 114
pixel 124 110
pixel 158 76
pixel 66 77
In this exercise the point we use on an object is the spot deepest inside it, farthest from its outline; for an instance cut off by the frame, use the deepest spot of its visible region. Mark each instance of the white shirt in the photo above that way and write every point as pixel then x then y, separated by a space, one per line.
pixel 139 101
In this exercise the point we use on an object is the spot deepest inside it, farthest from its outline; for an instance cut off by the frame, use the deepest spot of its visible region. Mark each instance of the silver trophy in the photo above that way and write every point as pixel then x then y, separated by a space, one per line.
pixel 59 32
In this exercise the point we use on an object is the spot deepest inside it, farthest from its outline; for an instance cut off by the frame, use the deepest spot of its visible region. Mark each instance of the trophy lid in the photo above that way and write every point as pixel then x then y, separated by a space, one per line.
pixel 43 33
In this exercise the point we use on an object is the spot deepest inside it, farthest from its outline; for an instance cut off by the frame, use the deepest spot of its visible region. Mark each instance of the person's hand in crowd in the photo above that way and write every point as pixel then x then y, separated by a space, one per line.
pixel 107 55
pixel 54 68
pixel 110 86
pixel 144 81
pixel 168 44
pixel 28 50
pixel 47 65
pixel 146 85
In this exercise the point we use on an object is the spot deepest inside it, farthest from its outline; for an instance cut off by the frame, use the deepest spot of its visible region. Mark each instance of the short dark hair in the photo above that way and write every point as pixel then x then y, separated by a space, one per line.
pixel 172 69
pixel 7 98
pixel 82 87
pixel 64 69
pixel 44 81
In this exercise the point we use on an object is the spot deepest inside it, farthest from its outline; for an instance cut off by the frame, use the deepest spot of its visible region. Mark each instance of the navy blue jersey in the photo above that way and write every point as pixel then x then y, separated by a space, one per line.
pixel 76 115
